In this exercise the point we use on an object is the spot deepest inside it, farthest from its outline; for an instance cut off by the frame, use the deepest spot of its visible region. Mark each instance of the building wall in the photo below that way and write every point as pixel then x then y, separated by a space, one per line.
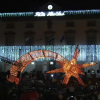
pixel 58 26
pixel 40 27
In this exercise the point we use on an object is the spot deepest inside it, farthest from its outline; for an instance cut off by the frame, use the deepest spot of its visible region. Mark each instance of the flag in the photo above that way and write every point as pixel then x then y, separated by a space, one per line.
pixel 27 39
pixel 51 39
pixel 62 39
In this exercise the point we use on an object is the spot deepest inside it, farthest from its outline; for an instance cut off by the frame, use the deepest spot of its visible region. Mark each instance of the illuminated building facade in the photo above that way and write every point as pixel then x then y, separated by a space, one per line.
pixel 51 26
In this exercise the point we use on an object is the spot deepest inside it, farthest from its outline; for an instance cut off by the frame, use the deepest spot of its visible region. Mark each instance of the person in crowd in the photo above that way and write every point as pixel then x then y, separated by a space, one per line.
pixel 98 95
pixel 71 98
pixel 61 91
pixel 30 95
pixel 71 89
pixel 53 94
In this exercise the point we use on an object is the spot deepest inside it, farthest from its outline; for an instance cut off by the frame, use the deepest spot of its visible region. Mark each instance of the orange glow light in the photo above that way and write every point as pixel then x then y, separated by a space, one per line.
pixel 72 68
pixel 69 68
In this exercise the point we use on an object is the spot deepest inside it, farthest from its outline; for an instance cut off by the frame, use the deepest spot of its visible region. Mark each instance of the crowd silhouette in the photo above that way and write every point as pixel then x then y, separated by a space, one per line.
pixel 42 86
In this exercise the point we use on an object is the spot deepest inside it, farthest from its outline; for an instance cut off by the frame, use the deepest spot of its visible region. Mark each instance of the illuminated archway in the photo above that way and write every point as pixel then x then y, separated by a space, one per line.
pixel 26 59
pixel 70 68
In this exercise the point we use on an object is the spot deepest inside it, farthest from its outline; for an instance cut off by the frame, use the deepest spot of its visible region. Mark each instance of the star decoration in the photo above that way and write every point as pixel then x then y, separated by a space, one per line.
pixel 72 68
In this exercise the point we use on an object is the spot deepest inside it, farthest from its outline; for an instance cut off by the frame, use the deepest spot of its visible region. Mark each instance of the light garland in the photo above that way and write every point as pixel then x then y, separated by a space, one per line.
pixel 50 13
pixel 87 51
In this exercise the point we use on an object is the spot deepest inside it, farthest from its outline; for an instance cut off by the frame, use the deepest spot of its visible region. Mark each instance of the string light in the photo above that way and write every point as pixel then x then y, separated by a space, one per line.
pixel 91 56
pixel 49 13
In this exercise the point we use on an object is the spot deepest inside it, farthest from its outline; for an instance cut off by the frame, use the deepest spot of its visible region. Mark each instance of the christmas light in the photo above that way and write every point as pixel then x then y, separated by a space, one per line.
pixel 89 53
pixel 49 13
pixel 70 68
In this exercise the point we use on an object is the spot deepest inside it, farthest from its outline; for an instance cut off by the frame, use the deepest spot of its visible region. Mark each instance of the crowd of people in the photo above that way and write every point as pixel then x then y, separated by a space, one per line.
pixel 42 86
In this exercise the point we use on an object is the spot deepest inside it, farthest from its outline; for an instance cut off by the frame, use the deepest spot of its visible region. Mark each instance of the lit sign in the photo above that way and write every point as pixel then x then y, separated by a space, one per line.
pixel 39 14
pixel 50 7
pixel 57 13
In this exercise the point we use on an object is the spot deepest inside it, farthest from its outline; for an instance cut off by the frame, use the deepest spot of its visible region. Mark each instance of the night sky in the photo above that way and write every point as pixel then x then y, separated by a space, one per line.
pixel 33 5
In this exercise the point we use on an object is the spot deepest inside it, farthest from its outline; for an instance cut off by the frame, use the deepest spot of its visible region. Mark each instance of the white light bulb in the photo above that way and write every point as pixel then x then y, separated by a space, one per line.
pixel 51 63
pixel 91 62
pixel 71 63
pixel 51 75
pixel 32 63
pixel 50 7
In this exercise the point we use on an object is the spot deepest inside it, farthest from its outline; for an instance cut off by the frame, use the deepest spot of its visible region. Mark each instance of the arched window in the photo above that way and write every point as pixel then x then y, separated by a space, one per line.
pixel 91 37
pixel 70 37
pixel 29 37
pixel 49 37
pixel 9 38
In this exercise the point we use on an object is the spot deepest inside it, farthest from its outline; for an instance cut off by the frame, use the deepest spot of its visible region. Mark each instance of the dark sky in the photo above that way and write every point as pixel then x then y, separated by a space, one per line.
pixel 33 5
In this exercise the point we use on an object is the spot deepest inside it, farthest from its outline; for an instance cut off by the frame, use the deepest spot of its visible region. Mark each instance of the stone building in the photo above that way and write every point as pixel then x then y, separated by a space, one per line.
pixel 50 26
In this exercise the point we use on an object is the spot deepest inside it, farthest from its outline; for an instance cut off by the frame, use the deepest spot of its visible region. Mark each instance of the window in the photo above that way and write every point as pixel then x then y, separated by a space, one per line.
pixel 70 24
pixel 29 25
pixel 29 37
pixel 28 40
pixel 49 37
pixel 91 23
pixel 70 37
pixel 9 38
pixel 9 41
pixel 91 37
pixel 49 24
pixel 91 40
pixel 10 25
